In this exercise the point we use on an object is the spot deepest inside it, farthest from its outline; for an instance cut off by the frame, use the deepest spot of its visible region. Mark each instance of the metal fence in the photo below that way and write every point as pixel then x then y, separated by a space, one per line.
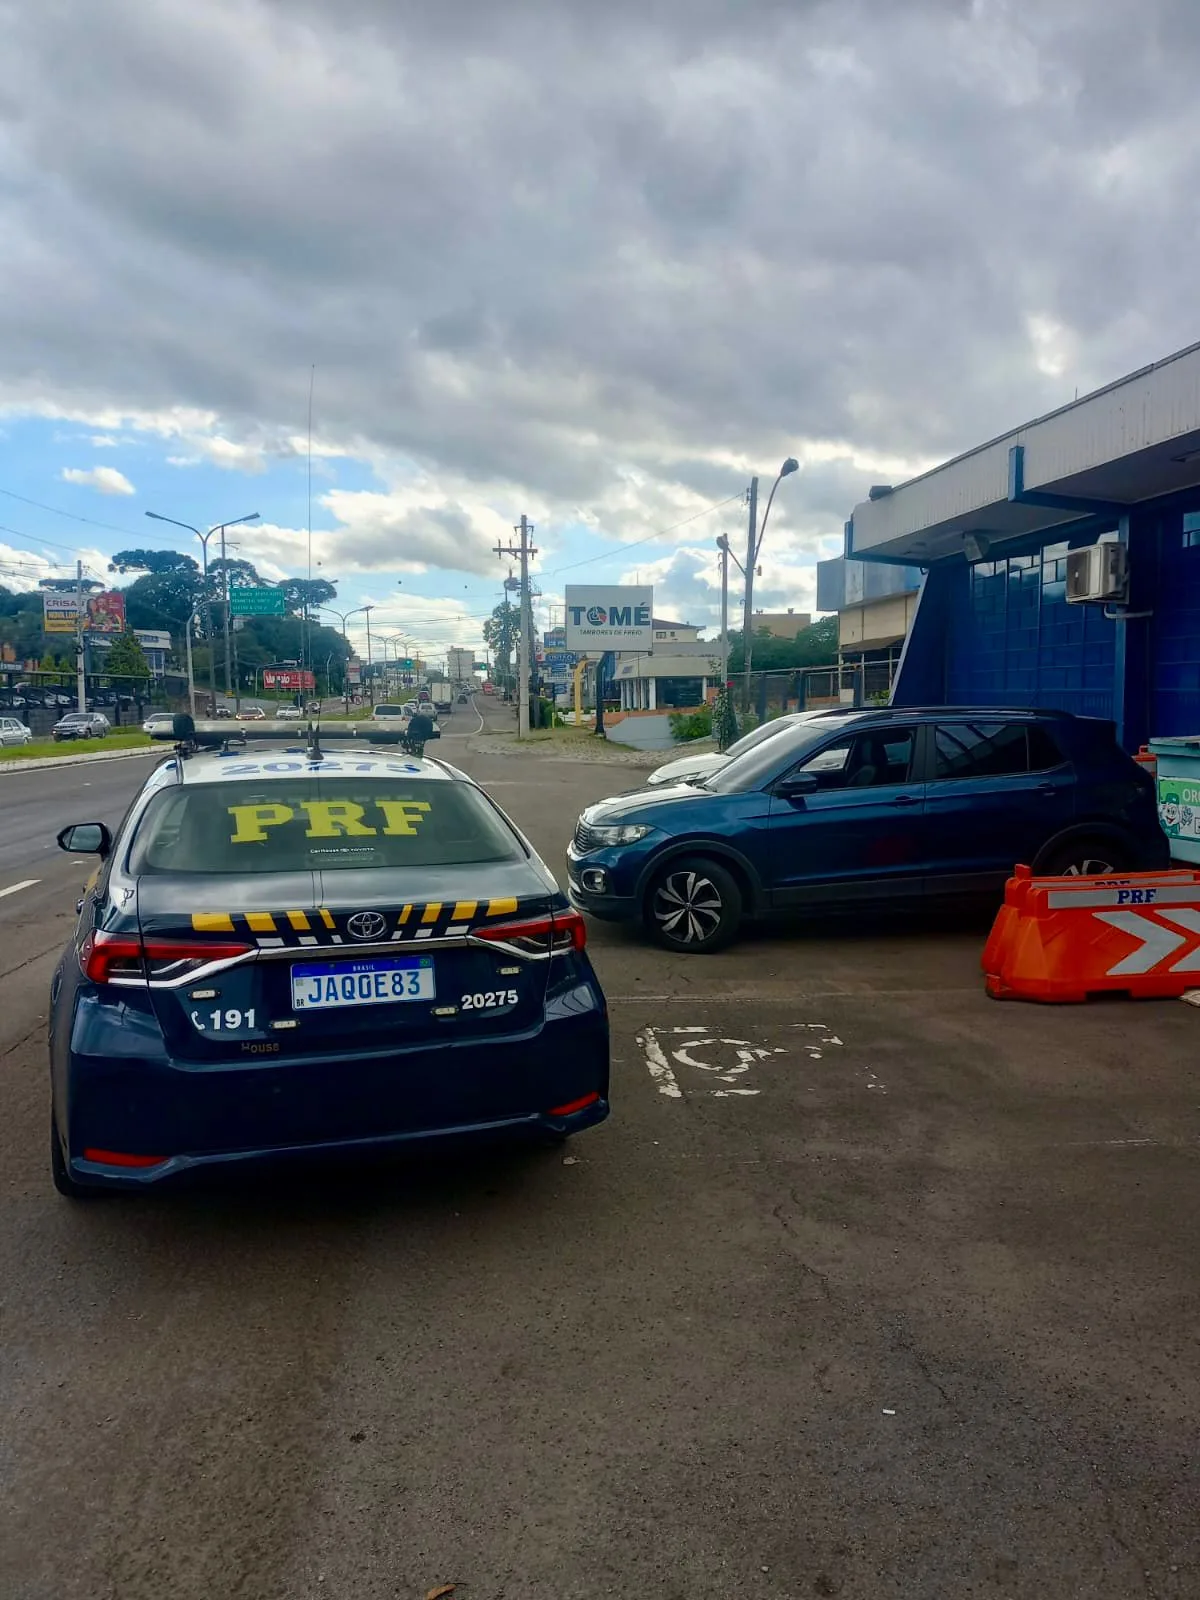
pixel 811 688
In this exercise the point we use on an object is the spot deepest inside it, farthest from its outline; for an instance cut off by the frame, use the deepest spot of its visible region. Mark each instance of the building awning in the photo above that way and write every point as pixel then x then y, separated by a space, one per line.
pixel 1133 441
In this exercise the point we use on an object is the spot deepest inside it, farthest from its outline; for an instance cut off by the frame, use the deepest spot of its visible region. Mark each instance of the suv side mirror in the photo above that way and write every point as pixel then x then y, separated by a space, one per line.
pixel 86 839
pixel 797 785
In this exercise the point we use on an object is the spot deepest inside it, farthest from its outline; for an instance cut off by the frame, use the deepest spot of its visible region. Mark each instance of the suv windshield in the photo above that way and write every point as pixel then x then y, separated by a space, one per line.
pixel 311 824
pixel 749 770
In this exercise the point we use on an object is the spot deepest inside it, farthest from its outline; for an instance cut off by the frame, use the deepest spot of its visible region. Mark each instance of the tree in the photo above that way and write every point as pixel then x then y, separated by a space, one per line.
pixel 70 585
pixel 126 659
pixel 310 592
pixel 164 599
pixel 240 573
pixel 814 646
pixel 155 561
pixel 500 631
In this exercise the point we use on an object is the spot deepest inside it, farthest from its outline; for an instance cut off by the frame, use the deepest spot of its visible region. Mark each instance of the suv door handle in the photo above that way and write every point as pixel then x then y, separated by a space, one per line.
pixel 904 800
pixel 1047 789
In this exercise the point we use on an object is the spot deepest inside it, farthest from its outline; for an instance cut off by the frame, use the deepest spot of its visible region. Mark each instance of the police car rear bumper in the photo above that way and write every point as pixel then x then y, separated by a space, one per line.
pixel 552 1080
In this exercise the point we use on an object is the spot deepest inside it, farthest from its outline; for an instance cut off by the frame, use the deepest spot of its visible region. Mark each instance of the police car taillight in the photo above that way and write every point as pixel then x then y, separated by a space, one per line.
pixel 119 957
pixel 539 936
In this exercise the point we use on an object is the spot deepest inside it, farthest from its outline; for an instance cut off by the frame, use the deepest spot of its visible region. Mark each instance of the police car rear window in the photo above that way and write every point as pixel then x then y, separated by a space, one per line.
pixel 313 824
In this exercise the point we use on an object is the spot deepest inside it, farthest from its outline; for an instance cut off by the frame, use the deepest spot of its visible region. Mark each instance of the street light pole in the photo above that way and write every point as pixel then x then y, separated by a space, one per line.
pixel 370 680
pixel 754 541
pixel 204 538
pixel 343 617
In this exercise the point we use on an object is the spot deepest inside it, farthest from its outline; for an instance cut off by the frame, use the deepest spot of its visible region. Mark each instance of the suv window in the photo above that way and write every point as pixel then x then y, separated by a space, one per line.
pixel 309 824
pixel 867 760
pixel 993 749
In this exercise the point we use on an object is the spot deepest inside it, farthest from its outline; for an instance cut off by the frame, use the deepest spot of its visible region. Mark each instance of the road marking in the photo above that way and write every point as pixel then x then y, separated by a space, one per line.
pixel 15 888
pixel 658 1066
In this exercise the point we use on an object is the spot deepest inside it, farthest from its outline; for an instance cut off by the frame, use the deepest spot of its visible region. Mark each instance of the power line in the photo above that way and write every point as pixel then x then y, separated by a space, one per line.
pixel 71 516
pixel 35 538
pixel 632 544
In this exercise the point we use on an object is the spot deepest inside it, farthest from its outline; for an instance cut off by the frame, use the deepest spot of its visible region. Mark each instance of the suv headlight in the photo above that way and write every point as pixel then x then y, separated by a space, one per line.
pixel 626 833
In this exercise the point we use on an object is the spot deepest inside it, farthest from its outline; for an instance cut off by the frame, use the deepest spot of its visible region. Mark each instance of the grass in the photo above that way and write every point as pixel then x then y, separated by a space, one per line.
pixel 41 749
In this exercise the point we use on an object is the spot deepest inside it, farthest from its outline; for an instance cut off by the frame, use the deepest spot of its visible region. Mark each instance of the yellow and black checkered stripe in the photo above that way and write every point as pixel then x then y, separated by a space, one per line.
pixel 306 930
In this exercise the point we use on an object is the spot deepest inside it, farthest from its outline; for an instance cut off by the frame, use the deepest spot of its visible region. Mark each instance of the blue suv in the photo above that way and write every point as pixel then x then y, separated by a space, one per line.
pixel 867 808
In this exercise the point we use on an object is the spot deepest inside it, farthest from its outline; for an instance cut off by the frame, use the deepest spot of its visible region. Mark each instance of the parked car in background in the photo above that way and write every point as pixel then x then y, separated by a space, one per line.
pixel 253 714
pixel 289 714
pixel 82 725
pixel 865 809
pixel 158 719
pixel 14 732
pixel 702 763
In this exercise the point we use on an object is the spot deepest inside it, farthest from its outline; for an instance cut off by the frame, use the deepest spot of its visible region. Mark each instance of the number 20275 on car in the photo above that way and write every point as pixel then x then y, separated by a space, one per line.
pixel 320 985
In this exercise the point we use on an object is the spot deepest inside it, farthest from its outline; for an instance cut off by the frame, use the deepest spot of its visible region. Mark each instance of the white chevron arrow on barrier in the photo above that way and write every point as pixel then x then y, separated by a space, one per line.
pixel 1155 943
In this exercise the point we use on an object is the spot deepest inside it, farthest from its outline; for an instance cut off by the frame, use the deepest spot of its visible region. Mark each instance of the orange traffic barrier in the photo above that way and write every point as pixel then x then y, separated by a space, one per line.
pixel 1017 888
pixel 1061 940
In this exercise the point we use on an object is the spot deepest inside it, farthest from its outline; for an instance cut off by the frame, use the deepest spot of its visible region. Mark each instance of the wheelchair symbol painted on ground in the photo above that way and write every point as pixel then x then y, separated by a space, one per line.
pixel 699 1060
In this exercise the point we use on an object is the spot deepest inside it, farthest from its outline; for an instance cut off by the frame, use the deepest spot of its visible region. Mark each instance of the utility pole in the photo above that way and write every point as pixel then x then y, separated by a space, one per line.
pixel 748 614
pixel 80 658
pixel 723 546
pixel 525 637
pixel 191 622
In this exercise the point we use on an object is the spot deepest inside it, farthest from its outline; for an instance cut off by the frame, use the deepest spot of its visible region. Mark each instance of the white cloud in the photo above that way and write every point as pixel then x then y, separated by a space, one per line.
pixel 105 480
pixel 24 569
pixel 103 441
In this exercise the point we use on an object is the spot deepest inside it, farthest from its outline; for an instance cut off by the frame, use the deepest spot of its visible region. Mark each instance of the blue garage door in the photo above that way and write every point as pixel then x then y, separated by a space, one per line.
pixel 1015 641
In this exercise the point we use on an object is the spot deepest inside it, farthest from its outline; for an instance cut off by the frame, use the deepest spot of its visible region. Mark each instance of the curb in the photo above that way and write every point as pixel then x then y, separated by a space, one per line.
pixel 38 762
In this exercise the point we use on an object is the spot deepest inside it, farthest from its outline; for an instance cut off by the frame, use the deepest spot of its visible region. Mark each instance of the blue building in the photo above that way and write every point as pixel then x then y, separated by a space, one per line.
pixel 1023 599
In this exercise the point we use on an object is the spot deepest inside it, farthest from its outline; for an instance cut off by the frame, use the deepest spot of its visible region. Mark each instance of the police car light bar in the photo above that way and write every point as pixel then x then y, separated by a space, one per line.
pixel 213 735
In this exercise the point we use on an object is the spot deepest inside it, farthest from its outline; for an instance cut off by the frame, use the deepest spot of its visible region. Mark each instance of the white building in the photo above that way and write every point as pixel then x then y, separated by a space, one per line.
pixel 460 665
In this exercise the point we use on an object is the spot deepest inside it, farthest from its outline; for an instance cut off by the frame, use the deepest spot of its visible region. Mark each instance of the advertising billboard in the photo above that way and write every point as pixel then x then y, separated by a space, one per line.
pixel 354 671
pixel 609 617
pixel 105 613
pixel 287 678
pixel 60 612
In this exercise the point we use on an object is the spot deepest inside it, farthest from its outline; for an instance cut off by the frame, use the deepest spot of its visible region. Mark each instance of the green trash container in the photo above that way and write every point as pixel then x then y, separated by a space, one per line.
pixel 1178 783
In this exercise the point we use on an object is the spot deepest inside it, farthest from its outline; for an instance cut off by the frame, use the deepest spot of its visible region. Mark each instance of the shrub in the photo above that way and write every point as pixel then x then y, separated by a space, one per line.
pixel 688 725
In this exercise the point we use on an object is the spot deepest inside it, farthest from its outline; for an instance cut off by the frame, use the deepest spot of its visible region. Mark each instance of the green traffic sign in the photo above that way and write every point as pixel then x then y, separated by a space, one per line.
pixel 248 601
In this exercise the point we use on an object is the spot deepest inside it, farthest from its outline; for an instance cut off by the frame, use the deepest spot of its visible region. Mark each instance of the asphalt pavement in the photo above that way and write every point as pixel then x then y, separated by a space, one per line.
pixel 869 1287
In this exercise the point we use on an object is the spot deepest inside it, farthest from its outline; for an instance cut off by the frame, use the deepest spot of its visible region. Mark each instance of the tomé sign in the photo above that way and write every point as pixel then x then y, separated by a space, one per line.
pixel 604 617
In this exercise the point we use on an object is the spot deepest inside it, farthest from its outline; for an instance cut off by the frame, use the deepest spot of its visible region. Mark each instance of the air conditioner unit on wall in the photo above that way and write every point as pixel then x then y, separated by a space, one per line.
pixel 1098 573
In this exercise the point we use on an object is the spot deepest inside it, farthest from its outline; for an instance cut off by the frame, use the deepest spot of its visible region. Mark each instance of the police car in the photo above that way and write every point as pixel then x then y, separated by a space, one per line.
pixel 313 948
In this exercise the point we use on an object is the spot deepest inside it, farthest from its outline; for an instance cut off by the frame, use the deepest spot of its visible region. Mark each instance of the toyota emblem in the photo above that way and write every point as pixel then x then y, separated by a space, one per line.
pixel 366 925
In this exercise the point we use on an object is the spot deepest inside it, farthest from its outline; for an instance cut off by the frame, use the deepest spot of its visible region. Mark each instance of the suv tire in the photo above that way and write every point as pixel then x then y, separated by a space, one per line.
pixel 1085 858
pixel 693 906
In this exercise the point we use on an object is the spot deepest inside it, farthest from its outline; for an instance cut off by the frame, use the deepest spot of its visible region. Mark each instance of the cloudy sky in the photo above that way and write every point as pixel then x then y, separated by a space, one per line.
pixel 595 263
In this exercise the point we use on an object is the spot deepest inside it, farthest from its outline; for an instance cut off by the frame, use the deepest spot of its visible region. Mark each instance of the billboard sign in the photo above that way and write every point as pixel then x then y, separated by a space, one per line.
pixel 354 671
pixel 60 611
pixel 105 613
pixel 609 617
pixel 247 600
pixel 287 677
